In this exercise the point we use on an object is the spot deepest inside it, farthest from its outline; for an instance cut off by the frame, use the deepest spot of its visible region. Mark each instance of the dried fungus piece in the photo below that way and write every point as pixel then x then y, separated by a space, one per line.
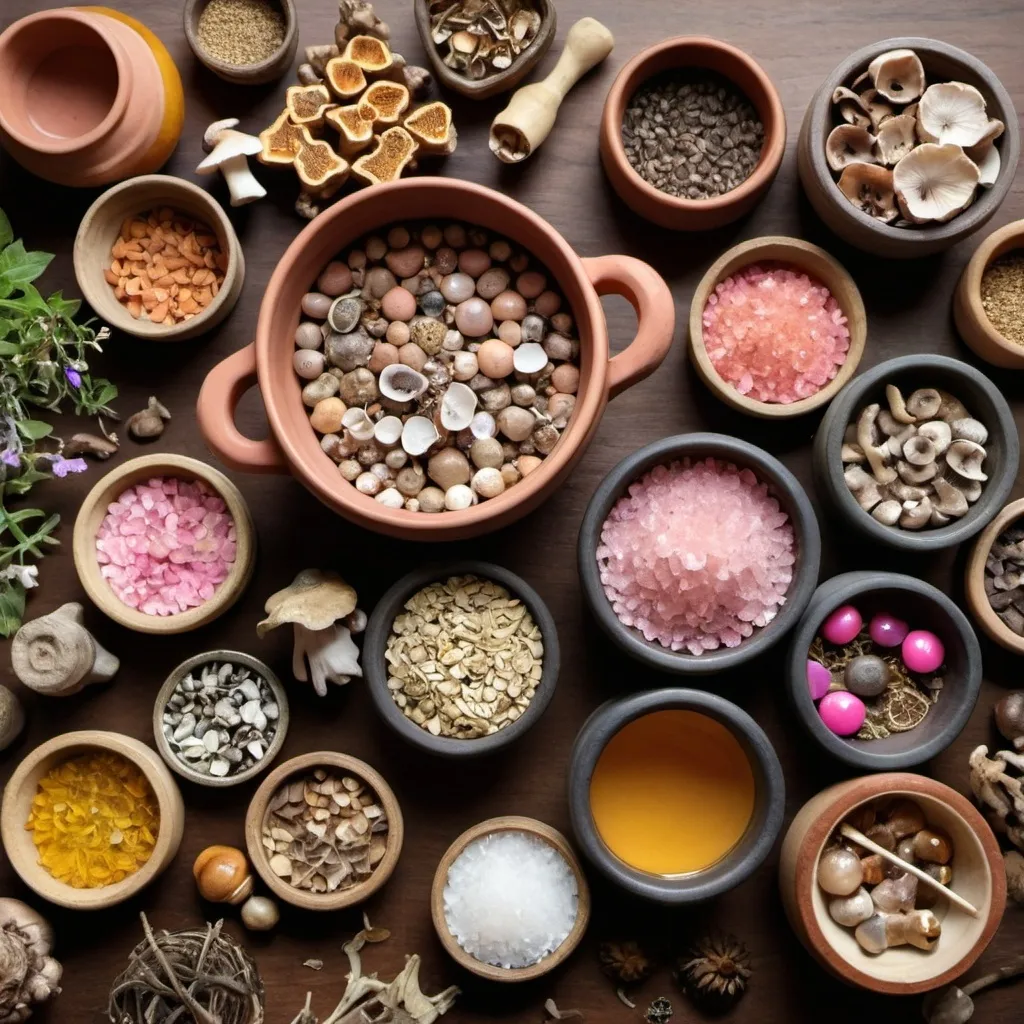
pixel 307 104
pixel 870 188
pixel 847 144
pixel 345 78
pixel 432 128
pixel 952 113
pixel 394 152
pixel 281 141
pixel 934 182
pixel 898 75
pixel 321 171
pixel 896 138
pixel 372 55
pixel 355 133
pixel 851 107
pixel 384 103
pixel 879 111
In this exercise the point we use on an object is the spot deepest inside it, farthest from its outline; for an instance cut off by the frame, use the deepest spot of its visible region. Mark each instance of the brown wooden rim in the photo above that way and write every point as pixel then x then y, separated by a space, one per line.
pixel 998 243
pixel 509 823
pixel 974 579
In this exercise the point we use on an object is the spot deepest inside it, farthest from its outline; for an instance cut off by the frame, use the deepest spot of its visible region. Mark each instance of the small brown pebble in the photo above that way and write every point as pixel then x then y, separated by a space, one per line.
pixel 335 280
pixel 566 378
pixel 515 423
pixel 526 464
pixel 431 499
pixel 448 468
pixel 326 415
pixel 486 451
pixel 384 354
pixel 412 355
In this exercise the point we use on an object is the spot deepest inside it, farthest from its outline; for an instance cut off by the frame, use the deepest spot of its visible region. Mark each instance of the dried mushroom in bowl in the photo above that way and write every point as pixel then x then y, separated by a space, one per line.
pixel 482 37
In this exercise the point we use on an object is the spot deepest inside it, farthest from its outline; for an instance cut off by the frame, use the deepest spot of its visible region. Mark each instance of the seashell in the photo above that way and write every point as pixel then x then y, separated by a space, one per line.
pixel 530 357
pixel 401 383
pixel 359 425
pixel 458 407
pixel 388 430
pixel 418 435
pixel 483 425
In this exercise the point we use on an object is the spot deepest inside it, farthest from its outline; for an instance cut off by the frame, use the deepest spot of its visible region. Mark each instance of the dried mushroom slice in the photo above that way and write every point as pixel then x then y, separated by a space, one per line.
pixel 372 55
pixel 952 113
pixel 321 171
pixel 384 103
pixel 896 138
pixel 870 188
pixel 851 107
pixel 393 153
pixel 345 78
pixel 847 144
pixel 281 141
pixel 898 75
pixel 354 131
pixel 934 183
pixel 523 27
pixel 432 128
pixel 307 104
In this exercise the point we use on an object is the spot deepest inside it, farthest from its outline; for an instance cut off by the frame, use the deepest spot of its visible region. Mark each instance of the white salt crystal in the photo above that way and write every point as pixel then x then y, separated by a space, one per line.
pixel 510 899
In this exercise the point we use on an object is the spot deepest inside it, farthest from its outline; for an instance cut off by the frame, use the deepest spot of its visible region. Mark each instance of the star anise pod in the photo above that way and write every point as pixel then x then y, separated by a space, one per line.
pixel 716 970
pixel 624 961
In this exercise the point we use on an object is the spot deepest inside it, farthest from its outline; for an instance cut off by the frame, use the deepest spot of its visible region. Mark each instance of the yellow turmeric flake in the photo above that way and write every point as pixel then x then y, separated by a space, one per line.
pixel 94 820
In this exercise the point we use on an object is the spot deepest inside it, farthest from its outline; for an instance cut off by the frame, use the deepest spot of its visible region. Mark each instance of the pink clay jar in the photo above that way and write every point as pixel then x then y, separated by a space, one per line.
pixel 88 96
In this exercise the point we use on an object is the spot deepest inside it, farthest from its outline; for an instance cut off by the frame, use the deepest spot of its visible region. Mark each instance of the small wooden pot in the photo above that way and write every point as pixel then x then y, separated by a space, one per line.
pixel 257 813
pixel 978 876
pixel 974 580
pixel 22 786
pixel 510 823
pixel 816 263
pixel 94 509
pixel 971 320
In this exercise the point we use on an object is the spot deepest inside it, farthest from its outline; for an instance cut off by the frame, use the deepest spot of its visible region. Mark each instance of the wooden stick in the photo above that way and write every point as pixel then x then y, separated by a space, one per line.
pixel 922 876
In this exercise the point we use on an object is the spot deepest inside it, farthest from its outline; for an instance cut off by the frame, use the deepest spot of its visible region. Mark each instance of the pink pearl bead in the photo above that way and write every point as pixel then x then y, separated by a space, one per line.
pixel 473 317
pixel 842 625
pixel 923 651
pixel 398 304
pixel 842 712
pixel 888 631
pixel 819 679
pixel 508 306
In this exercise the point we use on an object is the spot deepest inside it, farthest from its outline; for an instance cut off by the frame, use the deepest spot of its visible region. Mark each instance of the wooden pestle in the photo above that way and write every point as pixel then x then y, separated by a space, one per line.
pixel 530 115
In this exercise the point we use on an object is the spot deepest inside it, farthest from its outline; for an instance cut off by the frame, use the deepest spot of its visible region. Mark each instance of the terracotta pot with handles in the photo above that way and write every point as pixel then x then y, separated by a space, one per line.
pixel 294 447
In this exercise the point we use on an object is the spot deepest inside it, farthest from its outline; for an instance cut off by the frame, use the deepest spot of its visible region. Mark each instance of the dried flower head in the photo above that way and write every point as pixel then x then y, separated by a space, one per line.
pixel 624 961
pixel 716 970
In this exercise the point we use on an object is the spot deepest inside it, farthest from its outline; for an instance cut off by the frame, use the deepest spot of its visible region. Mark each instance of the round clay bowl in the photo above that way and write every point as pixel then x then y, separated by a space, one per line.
pixel 971 320
pixel 510 823
pixel 942 63
pixel 978 876
pixel 922 606
pixel 101 228
pixel 22 786
pixel 375 667
pixel 183 768
pixel 94 509
pixel 293 446
pixel 974 580
pixel 984 401
pixel 268 70
pixel 679 53
pixel 818 265
pixel 781 484
pixel 257 813
pixel 741 861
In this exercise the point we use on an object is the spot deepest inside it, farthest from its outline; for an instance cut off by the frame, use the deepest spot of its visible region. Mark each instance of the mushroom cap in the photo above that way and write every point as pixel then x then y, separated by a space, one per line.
pixel 850 144
pixel 989 164
pixel 898 75
pixel 229 145
pixel 211 133
pixel 965 458
pixel 877 107
pixel 897 136
pixel 952 113
pixel 316 599
pixel 870 188
pixel 934 182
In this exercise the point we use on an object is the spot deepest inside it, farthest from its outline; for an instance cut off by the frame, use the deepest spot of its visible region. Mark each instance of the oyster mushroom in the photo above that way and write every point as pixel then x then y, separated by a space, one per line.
pixel 898 405
pixel 882 473
pixel 934 183
pixel 848 144
pixel 965 458
pixel 938 432
pixel 1000 793
pixel 878 110
pixel 870 188
pixel 917 474
pixel 915 515
pixel 851 107
pixel 919 450
pixel 969 429
pixel 896 138
pixel 898 75
pixel 952 113
pixel 321 607
pixel 863 487
pixel 950 499
pixel 229 151
pixel 988 163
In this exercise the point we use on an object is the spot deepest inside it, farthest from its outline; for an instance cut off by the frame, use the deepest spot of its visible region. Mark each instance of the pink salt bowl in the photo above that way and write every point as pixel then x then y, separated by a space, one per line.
pixel 87 96
pixel 782 486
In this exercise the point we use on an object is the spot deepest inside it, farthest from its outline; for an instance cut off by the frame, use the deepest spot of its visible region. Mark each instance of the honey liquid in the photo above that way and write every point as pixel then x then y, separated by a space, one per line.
pixel 672 793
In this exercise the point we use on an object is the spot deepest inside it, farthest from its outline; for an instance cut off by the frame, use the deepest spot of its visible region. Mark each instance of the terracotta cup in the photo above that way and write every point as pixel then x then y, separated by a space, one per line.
pixel 87 96
pixel 294 447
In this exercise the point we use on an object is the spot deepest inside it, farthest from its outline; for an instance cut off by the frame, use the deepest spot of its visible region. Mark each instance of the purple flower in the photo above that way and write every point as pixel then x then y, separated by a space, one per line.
pixel 11 458
pixel 61 466
pixel 75 380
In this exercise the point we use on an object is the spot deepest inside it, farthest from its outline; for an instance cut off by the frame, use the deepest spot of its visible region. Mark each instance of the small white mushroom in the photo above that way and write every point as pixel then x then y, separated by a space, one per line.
pixel 229 153
pixel 863 487
pixel 388 430
pixel 988 162
pixel 870 188
pixel 849 144
pixel 418 435
pixel 896 138
pixel 924 403
pixel 851 107
pixel 358 424
pixel 888 513
pixel 897 405
pixel 939 518
pixel 916 514
pixel 917 474
pixel 401 383
pixel 950 500
pixel 969 429
pixel 908 492
pixel 972 490
pixel 965 458
pixel 883 474
pixel 529 358
pixel 898 75
pixel 938 432
pixel 919 451
pixel 952 113
pixel 458 407
pixel 934 183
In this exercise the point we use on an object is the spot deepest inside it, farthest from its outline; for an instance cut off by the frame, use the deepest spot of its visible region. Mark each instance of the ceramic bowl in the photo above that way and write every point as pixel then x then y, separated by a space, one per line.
pixel 974 580
pixel 256 667
pixel 942 62
pixel 983 400
pixel 375 667
pixel 737 865
pixel 268 70
pixel 257 813
pixel 978 876
pixel 680 53
pixel 817 264
pixel 22 786
pixel 972 322
pixel 922 606
pixel 492 972
pixel 94 509
pixel 782 485
pixel 294 446
pixel 101 227
pixel 497 82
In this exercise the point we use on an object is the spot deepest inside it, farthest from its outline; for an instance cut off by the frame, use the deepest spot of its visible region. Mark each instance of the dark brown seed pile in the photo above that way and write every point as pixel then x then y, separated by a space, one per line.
pixel 692 134
pixel 1004 577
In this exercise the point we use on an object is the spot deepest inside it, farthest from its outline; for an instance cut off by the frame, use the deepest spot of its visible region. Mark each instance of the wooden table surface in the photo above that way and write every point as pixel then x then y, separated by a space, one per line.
pixel 908 304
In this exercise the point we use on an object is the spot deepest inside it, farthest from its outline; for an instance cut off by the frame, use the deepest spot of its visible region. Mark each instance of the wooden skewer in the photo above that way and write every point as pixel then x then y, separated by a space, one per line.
pixel 922 876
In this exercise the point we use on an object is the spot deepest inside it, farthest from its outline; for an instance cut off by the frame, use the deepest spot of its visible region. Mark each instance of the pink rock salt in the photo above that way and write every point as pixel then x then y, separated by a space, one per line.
pixel 166 545
pixel 774 333
pixel 698 555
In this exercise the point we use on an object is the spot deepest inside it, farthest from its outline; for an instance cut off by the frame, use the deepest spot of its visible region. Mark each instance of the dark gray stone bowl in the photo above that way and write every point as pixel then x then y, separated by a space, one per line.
pixel 769 797
pixel 922 607
pixel 984 402
pixel 782 484
pixel 375 642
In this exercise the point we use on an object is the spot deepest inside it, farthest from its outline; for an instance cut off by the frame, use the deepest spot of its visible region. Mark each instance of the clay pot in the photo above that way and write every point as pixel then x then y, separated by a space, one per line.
pixel 87 96
pixel 294 447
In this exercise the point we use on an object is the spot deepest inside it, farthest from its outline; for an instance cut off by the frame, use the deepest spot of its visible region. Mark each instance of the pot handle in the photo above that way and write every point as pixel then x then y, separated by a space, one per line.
pixel 218 399
pixel 649 295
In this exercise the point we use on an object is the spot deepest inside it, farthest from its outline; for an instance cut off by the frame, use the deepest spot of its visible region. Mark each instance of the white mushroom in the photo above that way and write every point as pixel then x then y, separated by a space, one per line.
pixel 229 153
pixel 989 162
pixel 916 514
pixel 896 138
pixel 924 403
pixel 848 144
pixel 965 458
pixel 870 188
pixel 898 75
pixel 952 113
pixel 938 432
pixel 458 406
pixel 934 183
pixel 969 429
pixel 418 435
pixel 917 474
pixel 919 450
pixel 888 513
pixel 401 383
pixel 863 487
pixel 951 500
pixel 851 107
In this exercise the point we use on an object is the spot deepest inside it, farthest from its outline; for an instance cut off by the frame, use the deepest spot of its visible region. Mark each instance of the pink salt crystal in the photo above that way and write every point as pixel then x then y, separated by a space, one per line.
pixel 775 334
pixel 697 555
pixel 165 545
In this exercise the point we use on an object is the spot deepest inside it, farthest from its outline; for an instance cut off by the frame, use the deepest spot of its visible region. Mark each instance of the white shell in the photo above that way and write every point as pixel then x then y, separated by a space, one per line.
pixel 530 358
pixel 934 183
pixel 952 113
pixel 418 434
pixel 359 425
pixel 401 383
pixel 458 407
pixel 388 430
pixel 483 425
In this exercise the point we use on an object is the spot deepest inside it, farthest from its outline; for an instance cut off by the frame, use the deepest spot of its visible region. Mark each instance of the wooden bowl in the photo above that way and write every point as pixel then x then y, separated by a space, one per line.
pixel 971 319
pixel 183 768
pixel 978 876
pixel 974 580
pixel 680 53
pixel 816 263
pixel 500 81
pixel 22 786
pixel 942 62
pixel 101 227
pixel 510 823
pixel 108 489
pixel 268 70
pixel 257 813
